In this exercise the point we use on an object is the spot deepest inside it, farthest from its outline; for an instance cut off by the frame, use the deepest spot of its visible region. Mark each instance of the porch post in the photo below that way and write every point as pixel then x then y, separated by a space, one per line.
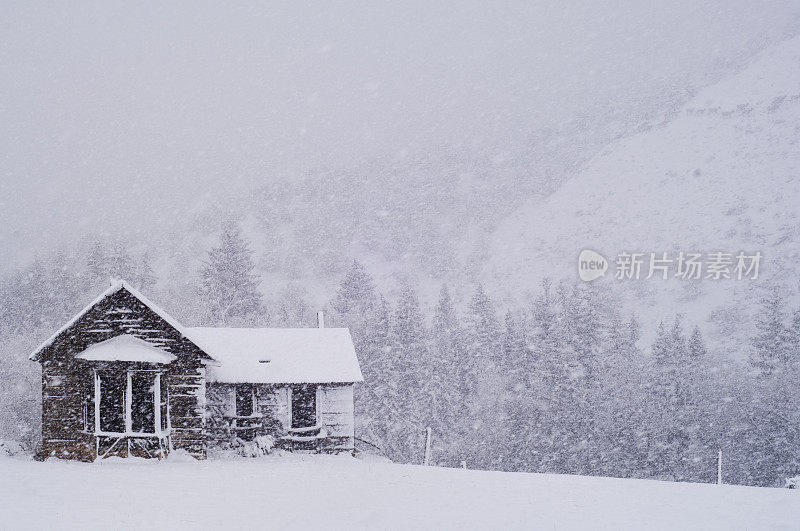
pixel 96 402
pixel 157 402
pixel 128 404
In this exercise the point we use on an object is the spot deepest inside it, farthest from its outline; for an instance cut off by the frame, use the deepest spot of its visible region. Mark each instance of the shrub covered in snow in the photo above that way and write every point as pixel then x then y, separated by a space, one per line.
pixel 11 449
pixel 259 446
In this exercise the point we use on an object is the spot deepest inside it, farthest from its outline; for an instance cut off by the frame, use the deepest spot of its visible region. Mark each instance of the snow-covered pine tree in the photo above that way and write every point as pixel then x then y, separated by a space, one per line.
pixel 700 420
pixel 483 357
pixel 579 330
pixel 229 284
pixel 671 418
pixel 119 262
pixel 618 405
pixel 444 390
pixel 375 398
pixel 483 347
pixel 795 331
pixel 615 341
pixel 356 293
pixel 144 277
pixel 376 353
pixel 354 304
pixel 661 424
pixel 660 348
pixel 97 263
pixel 775 424
pixel 696 346
pixel 515 359
pixel 293 309
pixel 411 364
pixel 510 436
pixel 773 343
pixel 544 447
pixel 634 330
pixel 584 327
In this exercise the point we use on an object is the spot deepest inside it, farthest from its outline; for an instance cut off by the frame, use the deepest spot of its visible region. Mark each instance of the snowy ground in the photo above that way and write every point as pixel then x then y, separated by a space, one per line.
pixel 326 492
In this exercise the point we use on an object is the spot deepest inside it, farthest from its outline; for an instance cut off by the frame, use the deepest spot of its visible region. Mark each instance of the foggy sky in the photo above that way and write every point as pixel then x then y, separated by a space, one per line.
pixel 117 116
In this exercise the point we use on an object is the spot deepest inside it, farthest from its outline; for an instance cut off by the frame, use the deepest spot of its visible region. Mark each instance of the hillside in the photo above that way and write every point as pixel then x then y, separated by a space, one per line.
pixel 318 492
pixel 722 174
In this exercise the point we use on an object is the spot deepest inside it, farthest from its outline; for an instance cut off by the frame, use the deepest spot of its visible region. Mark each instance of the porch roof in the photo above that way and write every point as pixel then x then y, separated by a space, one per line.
pixel 126 347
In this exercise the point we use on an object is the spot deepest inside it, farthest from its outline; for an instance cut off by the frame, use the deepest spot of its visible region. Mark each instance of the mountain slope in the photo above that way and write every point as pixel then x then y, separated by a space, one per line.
pixel 723 175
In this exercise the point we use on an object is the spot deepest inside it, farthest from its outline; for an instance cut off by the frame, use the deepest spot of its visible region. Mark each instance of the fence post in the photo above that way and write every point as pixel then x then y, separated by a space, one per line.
pixel 427 446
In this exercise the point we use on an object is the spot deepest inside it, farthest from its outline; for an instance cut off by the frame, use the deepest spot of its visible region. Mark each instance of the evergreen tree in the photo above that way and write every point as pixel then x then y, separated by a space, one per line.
pixel 356 294
pixel 660 348
pixel 621 404
pixel 634 333
pixel 410 338
pixel 229 284
pixel 483 336
pixel 615 340
pixel 549 387
pixel 481 380
pixel 119 263
pixel 144 277
pixel 583 332
pixel 696 346
pixel 774 430
pixel 409 361
pixel 773 343
pixel 293 308
pixel 376 397
pixel 517 364
pixel 448 363
pixel 795 332
pixel 674 416
pixel 515 360
pixel 97 263
pixel 377 352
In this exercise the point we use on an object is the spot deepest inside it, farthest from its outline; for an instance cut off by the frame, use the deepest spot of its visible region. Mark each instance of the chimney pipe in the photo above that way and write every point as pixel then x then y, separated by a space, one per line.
pixel 320 319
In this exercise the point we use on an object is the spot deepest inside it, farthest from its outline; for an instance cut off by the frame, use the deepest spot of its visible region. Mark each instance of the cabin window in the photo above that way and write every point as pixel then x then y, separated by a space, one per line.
pixel 143 402
pixel 129 402
pixel 304 406
pixel 244 400
pixel 112 401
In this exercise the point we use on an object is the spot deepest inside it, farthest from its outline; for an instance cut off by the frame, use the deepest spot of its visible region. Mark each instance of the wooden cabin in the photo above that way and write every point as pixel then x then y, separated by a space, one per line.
pixel 124 378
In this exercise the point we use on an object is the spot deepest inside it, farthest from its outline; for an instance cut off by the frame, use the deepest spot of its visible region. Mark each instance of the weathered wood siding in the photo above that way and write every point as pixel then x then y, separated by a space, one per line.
pixel 186 387
pixel 335 411
pixel 67 382
pixel 67 397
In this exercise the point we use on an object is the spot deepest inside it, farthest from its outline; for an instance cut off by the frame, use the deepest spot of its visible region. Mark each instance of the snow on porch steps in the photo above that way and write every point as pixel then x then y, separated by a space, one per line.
pixel 339 492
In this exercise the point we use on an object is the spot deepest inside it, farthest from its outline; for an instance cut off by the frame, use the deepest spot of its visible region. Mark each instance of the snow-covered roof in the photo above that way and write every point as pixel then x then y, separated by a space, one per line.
pixel 126 347
pixel 115 287
pixel 246 355
pixel 278 355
